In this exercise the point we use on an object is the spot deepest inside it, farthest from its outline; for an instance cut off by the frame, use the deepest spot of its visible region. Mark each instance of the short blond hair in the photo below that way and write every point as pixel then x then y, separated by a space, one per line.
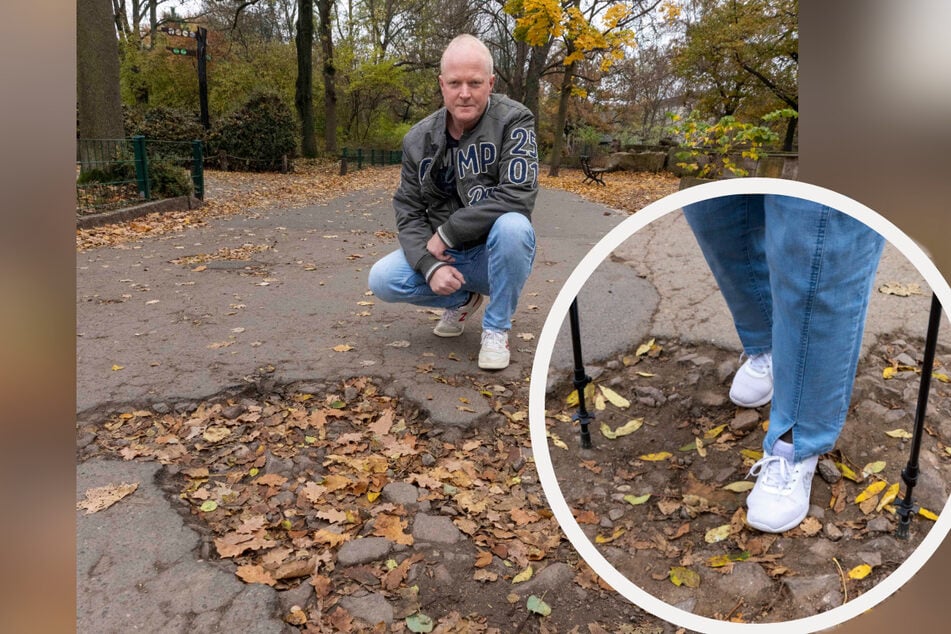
pixel 472 43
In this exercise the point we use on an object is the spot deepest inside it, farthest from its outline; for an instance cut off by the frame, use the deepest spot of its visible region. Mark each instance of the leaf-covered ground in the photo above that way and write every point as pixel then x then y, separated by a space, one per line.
pixel 662 492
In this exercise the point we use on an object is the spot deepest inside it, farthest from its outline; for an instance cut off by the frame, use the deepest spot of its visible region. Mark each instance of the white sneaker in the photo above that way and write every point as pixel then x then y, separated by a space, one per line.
pixel 779 500
pixel 753 383
pixel 494 354
pixel 452 322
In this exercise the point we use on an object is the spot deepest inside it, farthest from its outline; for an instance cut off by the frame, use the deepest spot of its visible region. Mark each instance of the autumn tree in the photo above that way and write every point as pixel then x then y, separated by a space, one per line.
pixel 592 35
pixel 741 57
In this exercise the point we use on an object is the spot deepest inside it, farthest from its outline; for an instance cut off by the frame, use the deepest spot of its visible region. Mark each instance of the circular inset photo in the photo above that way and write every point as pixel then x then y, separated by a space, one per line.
pixel 739 407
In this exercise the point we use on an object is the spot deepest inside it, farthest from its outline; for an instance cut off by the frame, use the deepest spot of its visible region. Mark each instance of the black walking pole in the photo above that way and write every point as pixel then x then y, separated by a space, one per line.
pixel 581 378
pixel 910 473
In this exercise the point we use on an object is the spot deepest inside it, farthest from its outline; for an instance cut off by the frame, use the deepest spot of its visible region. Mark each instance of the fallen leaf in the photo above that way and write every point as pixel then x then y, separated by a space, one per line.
pixel 391 527
pixel 871 490
pixel 928 514
pixel 847 472
pixel 483 559
pixel 607 539
pixel 752 454
pixel 739 486
pixel 101 498
pixel 899 433
pixel 116 368
pixel 860 572
pixel 342 348
pixel 644 348
pixel 208 506
pixel 629 427
pixel 419 622
pixel 537 606
pixel 710 434
pixel 614 398
pixel 873 467
pixel 485 576
pixel 216 434
pixel 810 526
pixel 655 457
pixel 523 576
pixel 555 440
pixel 525 336
pixel 717 534
pixel 681 576
pixel 255 574
pixel 888 497
pixel 718 561
pixel 899 289
pixel 635 500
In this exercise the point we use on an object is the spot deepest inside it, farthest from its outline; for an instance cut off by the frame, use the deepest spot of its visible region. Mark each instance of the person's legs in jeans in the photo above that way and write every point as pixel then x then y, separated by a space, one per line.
pixel 730 231
pixel 822 267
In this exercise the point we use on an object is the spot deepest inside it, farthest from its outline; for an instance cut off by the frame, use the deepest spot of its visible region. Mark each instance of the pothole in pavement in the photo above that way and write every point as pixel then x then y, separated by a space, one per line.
pixel 358 509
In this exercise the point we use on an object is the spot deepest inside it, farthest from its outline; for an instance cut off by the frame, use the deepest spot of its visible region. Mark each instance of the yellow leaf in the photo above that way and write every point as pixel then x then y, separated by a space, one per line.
pixel 751 454
pixel 629 427
pixel 710 434
pixel 938 376
pixel 646 374
pixel 847 472
pixel 644 348
pixel 719 561
pixel 701 451
pixel 873 467
pixel 889 372
pixel 860 572
pixel 898 433
pixel 614 398
pixel 344 347
pixel 572 400
pixel 739 486
pixel 525 575
pixel 635 500
pixel 717 534
pixel 599 402
pixel 927 514
pixel 372 495
pixel 656 457
pixel 681 576
pixel 873 489
pixel 888 497
pixel 555 440
pixel 116 368
pixel 606 539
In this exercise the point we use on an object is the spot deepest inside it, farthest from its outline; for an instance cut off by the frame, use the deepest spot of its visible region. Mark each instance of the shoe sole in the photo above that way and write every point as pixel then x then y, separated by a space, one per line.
pixel 763 401
pixel 494 365
pixel 782 529
pixel 446 334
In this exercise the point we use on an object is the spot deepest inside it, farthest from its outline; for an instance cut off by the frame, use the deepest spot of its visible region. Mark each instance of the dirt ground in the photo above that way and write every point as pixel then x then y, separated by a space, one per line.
pixel 687 543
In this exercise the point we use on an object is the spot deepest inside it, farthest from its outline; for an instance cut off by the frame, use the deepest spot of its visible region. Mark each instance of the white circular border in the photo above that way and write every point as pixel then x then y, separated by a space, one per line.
pixel 543 353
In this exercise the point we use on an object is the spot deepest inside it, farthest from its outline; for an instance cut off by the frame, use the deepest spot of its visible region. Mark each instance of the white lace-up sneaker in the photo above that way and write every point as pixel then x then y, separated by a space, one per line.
pixel 779 500
pixel 453 320
pixel 753 383
pixel 494 354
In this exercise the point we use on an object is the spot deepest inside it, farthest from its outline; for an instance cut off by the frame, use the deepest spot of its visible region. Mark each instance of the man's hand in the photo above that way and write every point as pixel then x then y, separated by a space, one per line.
pixel 437 247
pixel 446 280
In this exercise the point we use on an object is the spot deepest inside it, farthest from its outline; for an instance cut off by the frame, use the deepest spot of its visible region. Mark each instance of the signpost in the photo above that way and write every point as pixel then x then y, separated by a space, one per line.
pixel 200 35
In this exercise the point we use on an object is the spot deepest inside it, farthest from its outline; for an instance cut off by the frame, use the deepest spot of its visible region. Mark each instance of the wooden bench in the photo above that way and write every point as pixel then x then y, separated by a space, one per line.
pixel 592 174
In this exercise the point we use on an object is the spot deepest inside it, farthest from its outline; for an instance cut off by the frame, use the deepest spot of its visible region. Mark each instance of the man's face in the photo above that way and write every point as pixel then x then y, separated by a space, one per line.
pixel 466 85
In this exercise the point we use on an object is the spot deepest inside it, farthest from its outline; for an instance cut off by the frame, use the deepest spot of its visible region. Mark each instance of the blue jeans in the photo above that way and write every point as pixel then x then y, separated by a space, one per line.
pixel 497 268
pixel 797 277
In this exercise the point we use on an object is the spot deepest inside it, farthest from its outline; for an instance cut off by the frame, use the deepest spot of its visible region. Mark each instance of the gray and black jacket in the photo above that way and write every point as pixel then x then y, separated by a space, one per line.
pixel 496 172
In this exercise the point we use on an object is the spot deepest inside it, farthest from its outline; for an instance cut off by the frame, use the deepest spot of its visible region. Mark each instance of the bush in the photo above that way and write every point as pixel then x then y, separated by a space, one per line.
pixel 258 135
pixel 166 124
pixel 169 180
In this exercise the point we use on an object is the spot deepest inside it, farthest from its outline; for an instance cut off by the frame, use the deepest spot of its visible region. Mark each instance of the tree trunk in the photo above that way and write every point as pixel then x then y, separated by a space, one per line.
pixel 97 71
pixel 562 116
pixel 304 95
pixel 536 64
pixel 324 8
pixel 153 22
pixel 790 134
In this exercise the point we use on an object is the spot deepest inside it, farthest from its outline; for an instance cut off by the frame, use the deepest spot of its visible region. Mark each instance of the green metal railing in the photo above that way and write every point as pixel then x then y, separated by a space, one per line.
pixel 117 173
pixel 370 156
